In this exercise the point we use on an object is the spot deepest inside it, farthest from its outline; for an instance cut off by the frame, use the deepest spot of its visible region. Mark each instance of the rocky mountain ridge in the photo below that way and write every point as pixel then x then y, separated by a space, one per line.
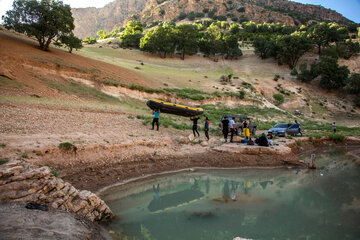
pixel 90 20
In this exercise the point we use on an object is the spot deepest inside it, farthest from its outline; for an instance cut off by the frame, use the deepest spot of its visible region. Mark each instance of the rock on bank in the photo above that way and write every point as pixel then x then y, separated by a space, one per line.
pixel 21 182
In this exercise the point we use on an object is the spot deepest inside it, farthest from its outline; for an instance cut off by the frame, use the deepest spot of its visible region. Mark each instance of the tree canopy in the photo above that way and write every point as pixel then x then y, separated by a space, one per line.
pixel 45 20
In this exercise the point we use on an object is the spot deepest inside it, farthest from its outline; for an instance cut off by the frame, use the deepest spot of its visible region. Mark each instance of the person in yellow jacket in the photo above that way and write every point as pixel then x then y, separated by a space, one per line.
pixel 246 130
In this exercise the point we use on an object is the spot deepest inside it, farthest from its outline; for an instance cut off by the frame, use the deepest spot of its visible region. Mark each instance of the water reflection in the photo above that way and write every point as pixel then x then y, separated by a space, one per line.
pixel 254 204
pixel 176 199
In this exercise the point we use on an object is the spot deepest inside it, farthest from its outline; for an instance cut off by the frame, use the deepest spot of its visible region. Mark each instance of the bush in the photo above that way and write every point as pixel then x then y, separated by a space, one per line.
pixel 279 98
pixel 67 146
pixel 294 72
pixel 353 84
pixel 3 161
pixel 54 172
pixel 337 138
pixel 242 94
pixel 276 77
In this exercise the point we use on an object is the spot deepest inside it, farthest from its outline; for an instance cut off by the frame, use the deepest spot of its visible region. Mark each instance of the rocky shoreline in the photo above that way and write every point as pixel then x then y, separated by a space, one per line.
pixel 21 182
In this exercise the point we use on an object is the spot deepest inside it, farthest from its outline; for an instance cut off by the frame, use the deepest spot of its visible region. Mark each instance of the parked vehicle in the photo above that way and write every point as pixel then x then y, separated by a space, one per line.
pixel 279 129
pixel 293 130
pixel 283 129
pixel 239 119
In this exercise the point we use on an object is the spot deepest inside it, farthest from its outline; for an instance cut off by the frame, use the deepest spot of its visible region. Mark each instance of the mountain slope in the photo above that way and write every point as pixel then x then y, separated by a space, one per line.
pixel 89 20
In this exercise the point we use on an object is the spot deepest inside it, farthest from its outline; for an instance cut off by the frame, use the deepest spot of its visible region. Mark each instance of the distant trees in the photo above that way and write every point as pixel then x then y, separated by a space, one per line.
pixel 186 36
pixel 71 42
pixel 286 49
pixel 45 20
pixel 291 48
pixel 102 34
pixel 187 39
pixel 132 34
pixel 323 34
pixel 160 40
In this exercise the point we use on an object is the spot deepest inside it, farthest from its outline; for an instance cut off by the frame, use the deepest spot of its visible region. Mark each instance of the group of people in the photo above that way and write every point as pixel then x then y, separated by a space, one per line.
pixel 230 126
pixel 195 119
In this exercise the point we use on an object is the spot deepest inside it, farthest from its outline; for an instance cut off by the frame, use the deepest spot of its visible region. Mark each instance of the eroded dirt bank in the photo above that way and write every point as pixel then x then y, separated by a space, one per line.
pixel 113 147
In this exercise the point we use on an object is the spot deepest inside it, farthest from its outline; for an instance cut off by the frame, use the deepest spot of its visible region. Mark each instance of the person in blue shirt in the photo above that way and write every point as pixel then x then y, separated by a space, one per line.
pixel 207 124
pixel 156 113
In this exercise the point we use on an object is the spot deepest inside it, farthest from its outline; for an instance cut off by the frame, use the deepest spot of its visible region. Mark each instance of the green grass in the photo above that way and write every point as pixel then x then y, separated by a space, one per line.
pixel 3 161
pixel 7 82
pixel 54 172
pixel 24 155
pixel 2 145
pixel 78 89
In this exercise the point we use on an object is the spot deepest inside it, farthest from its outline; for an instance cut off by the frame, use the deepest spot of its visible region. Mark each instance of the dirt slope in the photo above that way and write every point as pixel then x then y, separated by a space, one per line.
pixel 29 70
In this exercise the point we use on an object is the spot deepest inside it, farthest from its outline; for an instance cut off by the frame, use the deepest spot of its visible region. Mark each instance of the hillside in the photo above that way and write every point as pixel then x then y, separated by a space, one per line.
pixel 25 70
pixel 90 20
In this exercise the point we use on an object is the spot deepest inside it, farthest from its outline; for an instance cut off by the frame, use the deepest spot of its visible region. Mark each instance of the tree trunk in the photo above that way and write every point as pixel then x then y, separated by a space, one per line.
pixel 70 49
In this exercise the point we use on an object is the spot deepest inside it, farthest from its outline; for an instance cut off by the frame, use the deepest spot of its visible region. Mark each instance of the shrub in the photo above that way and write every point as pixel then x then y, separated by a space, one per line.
pixel 337 138
pixel 276 77
pixel 3 161
pixel 294 72
pixel 54 172
pixel 279 98
pixel 24 155
pixel 242 94
pixel 67 146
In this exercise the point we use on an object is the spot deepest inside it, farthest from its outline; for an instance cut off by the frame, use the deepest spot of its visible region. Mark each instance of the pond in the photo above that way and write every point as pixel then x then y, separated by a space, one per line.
pixel 253 204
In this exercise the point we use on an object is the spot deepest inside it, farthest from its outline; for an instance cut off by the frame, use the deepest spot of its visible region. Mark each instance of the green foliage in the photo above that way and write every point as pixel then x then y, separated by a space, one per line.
pixel 267 28
pixel 332 75
pixel 306 75
pixel 322 34
pixel 240 9
pixel 3 161
pixel 45 20
pixel 279 98
pixel 294 72
pixel 161 12
pixel 187 37
pixel 71 42
pixel 102 34
pixel 353 84
pixel 132 34
pixel 276 77
pixel 89 40
pixel 160 40
pixel 342 50
pixel 182 16
pixel 54 172
pixel 264 47
pixel 337 138
pixel 241 94
pixel 291 48
pixel 24 155
pixel 67 146
pixel 2 145
pixel 145 89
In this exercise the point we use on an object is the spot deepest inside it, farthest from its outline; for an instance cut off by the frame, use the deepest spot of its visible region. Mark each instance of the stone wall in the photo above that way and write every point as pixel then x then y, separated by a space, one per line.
pixel 22 182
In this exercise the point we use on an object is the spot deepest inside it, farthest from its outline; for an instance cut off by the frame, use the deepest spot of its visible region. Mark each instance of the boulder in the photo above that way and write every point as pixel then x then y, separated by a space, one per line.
pixel 24 183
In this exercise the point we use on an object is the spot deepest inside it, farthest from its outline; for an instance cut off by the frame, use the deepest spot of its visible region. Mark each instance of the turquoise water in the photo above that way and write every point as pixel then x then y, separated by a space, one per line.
pixel 254 204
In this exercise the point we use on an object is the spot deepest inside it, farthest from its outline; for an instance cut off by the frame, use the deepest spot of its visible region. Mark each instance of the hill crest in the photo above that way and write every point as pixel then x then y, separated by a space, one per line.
pixel 90 20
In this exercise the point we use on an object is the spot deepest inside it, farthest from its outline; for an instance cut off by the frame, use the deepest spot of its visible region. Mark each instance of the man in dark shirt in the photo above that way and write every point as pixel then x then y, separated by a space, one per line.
pixel 225 127
pixel 195 128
